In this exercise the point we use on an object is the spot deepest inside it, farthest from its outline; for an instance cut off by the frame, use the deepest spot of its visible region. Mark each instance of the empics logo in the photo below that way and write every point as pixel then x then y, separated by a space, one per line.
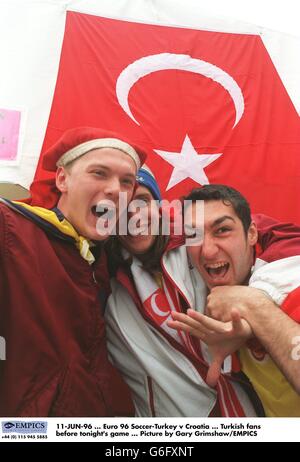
pixel 17 426
pixel 8 425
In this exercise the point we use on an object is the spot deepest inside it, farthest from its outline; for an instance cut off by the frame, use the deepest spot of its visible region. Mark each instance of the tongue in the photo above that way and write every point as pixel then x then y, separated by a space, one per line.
pixel 217 272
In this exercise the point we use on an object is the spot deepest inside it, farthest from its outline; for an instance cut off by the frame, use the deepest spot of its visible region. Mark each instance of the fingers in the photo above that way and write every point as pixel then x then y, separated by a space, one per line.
pixel 187 320
pixel 187 324
pixel 206 329
pixel 219 304
pixel 186 328
pixel 236 320
pixel 210 324
pixel 214 372
pixel 239 325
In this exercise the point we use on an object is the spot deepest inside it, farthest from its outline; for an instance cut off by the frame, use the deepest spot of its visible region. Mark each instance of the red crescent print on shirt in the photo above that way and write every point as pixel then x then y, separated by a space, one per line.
pixel 209 106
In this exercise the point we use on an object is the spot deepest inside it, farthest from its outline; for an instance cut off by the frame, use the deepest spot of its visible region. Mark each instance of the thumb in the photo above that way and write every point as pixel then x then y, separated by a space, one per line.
pixel 214 372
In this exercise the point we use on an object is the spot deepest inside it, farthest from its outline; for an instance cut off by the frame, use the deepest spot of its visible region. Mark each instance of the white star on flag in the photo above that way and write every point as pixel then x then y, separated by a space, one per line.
pixel 187 164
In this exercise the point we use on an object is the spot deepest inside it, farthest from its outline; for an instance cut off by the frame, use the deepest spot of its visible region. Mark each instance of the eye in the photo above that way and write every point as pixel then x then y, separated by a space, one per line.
pixel 100 173
pixel 223 230
pixel 127 182
pixel 144 203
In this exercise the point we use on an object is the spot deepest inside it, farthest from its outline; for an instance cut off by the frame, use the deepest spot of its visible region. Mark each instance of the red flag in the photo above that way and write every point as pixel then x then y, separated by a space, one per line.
pixel 209 105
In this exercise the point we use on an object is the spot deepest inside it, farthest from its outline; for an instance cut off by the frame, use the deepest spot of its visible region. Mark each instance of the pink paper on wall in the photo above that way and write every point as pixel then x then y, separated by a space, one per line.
pixel 9 134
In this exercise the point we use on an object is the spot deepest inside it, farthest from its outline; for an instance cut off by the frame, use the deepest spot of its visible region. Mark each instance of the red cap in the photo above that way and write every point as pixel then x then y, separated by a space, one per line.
pixel 73 144
pixel 78 141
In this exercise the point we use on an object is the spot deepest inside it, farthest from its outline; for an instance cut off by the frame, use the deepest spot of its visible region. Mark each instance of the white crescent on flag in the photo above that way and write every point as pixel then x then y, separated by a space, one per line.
pixel 166 61
pixel 188 163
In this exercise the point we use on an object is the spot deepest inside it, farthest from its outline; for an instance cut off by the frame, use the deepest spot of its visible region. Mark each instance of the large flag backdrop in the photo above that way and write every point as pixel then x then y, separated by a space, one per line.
pixel 209 106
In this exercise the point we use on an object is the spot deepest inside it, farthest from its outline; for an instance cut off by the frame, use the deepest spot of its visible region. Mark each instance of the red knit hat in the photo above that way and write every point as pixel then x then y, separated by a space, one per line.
pixel 73 144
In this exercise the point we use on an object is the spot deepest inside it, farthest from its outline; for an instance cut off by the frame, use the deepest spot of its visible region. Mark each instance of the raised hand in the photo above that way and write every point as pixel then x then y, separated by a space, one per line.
pixel 222 338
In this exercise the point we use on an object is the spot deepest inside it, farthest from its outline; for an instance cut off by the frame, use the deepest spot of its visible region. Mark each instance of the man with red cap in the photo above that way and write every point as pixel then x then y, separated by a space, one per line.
pixel 53 277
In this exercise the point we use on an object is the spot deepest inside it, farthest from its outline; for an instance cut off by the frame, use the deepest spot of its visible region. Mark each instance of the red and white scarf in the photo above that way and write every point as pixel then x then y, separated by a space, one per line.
pixel 158 303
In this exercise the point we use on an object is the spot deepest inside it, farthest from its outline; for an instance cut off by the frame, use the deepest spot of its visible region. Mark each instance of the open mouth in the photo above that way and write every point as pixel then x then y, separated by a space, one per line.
pixel 139 229
pixel 217 270
pixel 104 211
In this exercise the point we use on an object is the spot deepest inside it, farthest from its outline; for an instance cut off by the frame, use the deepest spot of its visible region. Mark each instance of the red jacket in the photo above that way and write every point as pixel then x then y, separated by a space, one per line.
pixel 51 319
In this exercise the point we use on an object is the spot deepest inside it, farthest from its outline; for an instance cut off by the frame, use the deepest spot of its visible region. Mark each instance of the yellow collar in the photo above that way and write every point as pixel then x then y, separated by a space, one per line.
pixel 82 244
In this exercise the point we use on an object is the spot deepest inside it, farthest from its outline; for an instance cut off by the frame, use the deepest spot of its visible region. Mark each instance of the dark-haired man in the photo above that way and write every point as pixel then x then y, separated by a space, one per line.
pixel 230 255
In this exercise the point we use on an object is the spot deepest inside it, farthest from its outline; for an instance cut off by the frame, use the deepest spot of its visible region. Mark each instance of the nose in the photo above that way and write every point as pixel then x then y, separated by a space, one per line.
pixel 144 213
pixel 209 247
pixel 112 187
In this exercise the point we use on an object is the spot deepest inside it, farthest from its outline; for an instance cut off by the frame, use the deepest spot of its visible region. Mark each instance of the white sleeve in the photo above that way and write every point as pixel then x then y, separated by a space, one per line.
pixel 277 279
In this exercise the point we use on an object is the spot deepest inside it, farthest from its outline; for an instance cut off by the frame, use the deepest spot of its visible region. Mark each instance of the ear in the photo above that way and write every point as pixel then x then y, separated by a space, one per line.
pixel 61 180
pixel 252 234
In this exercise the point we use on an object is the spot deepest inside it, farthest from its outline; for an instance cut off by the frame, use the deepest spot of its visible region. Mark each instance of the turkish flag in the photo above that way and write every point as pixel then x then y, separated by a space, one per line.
pixel 209 106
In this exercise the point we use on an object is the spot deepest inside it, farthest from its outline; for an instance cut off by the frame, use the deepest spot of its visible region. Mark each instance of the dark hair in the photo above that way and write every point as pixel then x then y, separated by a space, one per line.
pixel 226 194
pixel 150 259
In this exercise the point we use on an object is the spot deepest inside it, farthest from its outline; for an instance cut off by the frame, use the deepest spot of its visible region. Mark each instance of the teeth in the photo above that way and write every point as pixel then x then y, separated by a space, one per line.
pixel 215 265
pixel 217 270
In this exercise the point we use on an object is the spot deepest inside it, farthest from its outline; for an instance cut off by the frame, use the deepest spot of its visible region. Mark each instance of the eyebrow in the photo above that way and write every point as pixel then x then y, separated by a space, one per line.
pixel 142 196
pixel 220 220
